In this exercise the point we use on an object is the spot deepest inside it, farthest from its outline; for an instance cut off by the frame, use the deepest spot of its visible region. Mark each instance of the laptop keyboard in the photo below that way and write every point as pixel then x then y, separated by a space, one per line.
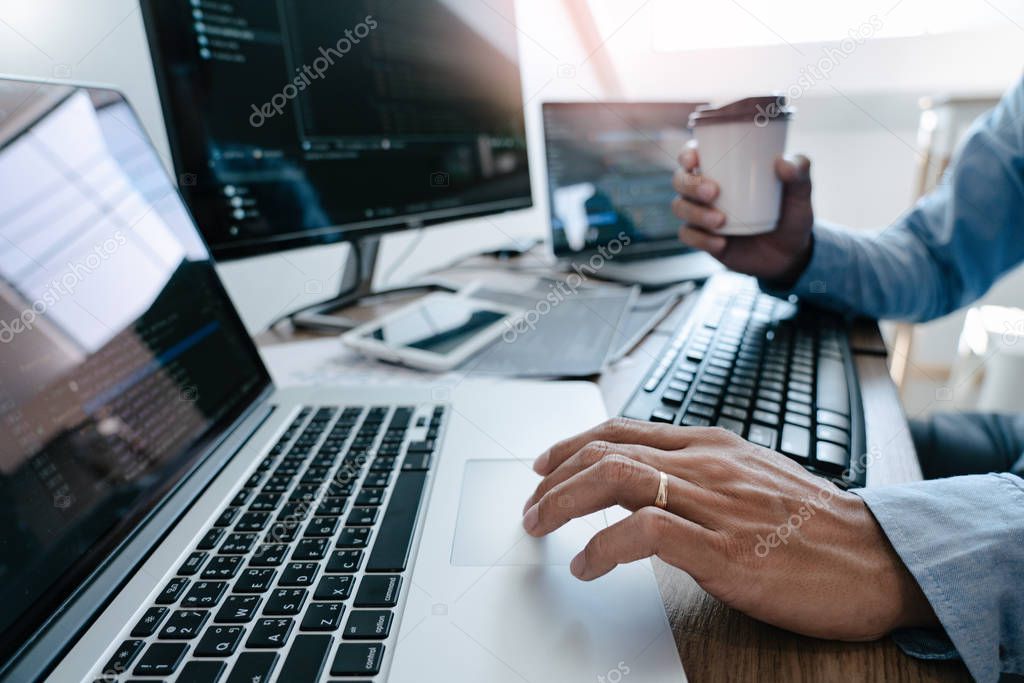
pixel 299 576
pixel 779 375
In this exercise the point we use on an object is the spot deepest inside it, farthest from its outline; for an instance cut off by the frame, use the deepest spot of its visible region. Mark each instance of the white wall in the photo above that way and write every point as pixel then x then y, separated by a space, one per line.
pixel 859 126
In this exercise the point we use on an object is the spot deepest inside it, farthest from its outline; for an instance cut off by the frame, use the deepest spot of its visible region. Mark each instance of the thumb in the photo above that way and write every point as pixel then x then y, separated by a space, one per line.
pixel 795 174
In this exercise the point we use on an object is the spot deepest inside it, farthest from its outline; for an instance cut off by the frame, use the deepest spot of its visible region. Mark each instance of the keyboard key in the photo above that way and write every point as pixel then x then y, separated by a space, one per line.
pixel 161 659
pixel 735 413
pixel 734 426
pixel 220 641
pixel 322 527
pixel 184 624
pixel 255 580
pixel 378 591
pixel 691 420
pixel 211 538
pixel 323 616
pixel 414 462
pixel 149 622
pixel 253 667
pixel 253 521
pixel 238 544
pixel 123 657
pixel 836 436
pixel 356 537
pixel 762 436
pixel 357 660
pixel 205 594
pixel 192 564
pixel 664 416
pixel 833 457
pixel 364 516
pixel 796 442
pixel 310 549
pixel 833 391
pixel 332 507
pixel 238 609
pixel 765 417
pixel 285 602
pixel 223 567
pixel 701 410
pixel 202 672
pixel 798 419
pixel 299 574
pixel 345 561
pixel 368 625
pixel 270 633
pixel 768 406
pixel 334 588
pixel 306 659
pixel 174 589
pixel 826 417
pixel 671 397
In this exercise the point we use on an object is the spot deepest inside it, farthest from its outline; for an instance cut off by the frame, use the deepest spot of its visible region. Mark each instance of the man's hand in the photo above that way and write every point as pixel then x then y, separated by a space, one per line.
pixel 778 256
pixel 753 528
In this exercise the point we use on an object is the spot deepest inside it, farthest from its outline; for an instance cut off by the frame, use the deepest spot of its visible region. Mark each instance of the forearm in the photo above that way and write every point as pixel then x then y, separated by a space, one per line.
pixel 963 541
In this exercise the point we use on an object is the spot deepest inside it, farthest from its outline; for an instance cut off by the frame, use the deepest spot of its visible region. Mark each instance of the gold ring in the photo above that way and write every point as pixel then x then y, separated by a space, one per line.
pixel 662 499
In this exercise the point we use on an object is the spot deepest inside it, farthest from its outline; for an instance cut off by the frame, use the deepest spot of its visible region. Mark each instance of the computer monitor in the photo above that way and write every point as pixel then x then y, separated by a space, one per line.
pixel 308 122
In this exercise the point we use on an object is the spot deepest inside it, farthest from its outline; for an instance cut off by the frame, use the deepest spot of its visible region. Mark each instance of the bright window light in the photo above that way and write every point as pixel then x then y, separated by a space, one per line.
pixel 693 25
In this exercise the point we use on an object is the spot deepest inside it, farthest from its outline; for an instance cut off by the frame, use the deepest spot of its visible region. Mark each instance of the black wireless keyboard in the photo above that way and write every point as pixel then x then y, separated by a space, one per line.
pixel 778 374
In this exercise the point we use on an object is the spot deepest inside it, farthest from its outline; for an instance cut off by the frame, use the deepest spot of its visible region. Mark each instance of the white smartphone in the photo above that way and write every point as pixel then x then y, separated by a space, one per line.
pixel 437 333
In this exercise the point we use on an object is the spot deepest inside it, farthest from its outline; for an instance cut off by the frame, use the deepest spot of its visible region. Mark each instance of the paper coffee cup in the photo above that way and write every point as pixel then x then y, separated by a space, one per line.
pixel 738 144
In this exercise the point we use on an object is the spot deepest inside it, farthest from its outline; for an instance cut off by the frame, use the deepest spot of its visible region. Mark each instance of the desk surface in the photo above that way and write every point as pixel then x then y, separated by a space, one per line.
pixel 717 643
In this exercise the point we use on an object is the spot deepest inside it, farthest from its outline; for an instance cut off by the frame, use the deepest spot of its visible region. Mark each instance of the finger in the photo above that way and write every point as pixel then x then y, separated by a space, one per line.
pixel 615 480
pixel 695 187
pixel 621 431
pixel 647 532
pixel 795 174
pixel 591 454
pixel 689 158
pixel 699 216
pixel 698 239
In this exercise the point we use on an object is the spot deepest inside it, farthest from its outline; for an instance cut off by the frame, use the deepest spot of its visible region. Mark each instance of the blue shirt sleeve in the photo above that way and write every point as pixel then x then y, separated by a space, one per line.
pixel 948 250
pixel 963 540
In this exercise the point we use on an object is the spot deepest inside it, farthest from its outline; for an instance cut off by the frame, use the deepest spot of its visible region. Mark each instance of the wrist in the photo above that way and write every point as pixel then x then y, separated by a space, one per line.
pixel 789 276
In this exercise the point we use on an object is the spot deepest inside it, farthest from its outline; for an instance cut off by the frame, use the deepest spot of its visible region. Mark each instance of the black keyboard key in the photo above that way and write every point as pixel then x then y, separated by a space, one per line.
pixel 331 507
pixel 283 532
pixel 414 462
pixel 227 517
pixel 833 391
pixel 364 516
pixel 149 622
pixel 734 426
pixel 174 589
pixel 306 659
pixel 763 436
pixel 202 672
pixel 345 561
pixel 205 594
pixel 370 497
pixel 255 580
pixel 222 567
pixel 253 521
pixel 735 413
pixel 357 660
pixel 322 527
pixel 192 564
pixel 691 420
pixel 241 498
pixel 378 591
pixel 355 536
pixel 285 602
pixel 238 609
pixel 219 641
pixel 310 549
pixel 299 574
pixel 334 588
pixel 123 657
pixel 238 544
pixel 796 442
pixel 269 555
pixel 184 624
pixel 270 633
pixel 368 625
pixel 161 659
pixel 253 667
pixel 672 397
pixel 323 616
pixel 701 410
pixel 663 415
pixel 265 502
pixel 210 539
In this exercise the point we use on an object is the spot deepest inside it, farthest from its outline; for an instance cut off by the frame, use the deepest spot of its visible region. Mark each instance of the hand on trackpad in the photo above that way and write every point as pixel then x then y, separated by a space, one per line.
pixel 489 529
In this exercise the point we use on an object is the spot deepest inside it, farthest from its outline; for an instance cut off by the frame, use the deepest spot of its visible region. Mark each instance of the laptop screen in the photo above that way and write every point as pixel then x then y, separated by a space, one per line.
pixel 610 167
pixel 121 356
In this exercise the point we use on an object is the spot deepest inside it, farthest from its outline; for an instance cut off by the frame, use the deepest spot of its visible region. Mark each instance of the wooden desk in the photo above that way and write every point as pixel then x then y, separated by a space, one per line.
pixel 715 642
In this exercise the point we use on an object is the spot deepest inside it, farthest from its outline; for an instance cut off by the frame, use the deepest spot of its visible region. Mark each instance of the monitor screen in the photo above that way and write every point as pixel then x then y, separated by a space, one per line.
pixel 121 356
pixel 306 121
pixel 610 169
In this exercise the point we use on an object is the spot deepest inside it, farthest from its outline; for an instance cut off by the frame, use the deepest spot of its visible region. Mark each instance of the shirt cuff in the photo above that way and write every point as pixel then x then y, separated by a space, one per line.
pixel 830 258
pixel 962 539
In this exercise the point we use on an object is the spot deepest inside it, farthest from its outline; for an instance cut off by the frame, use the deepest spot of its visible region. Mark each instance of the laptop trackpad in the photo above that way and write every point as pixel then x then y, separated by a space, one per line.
pixel 489 530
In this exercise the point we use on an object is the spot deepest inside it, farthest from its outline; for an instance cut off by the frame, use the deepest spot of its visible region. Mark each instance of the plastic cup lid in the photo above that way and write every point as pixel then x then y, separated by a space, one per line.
pixel 758 109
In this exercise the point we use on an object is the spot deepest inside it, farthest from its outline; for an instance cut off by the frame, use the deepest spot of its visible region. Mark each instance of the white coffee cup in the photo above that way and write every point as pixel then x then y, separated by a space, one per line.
pixel 738 144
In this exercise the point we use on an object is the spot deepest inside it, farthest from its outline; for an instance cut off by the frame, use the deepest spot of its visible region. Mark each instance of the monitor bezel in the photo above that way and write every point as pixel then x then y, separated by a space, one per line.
pixel 328 235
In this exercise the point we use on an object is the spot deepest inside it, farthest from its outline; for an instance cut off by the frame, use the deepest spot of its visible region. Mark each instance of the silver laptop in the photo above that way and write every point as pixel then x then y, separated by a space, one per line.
pixel 167 514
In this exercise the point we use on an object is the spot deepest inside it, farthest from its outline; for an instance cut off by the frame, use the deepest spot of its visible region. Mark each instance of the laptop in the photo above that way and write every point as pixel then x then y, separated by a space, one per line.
pixel 610 167
pixel 168 514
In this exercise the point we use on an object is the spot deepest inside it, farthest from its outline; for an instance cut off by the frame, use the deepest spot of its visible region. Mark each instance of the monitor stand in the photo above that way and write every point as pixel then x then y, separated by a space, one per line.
pixel 659 272
pixel 356 287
